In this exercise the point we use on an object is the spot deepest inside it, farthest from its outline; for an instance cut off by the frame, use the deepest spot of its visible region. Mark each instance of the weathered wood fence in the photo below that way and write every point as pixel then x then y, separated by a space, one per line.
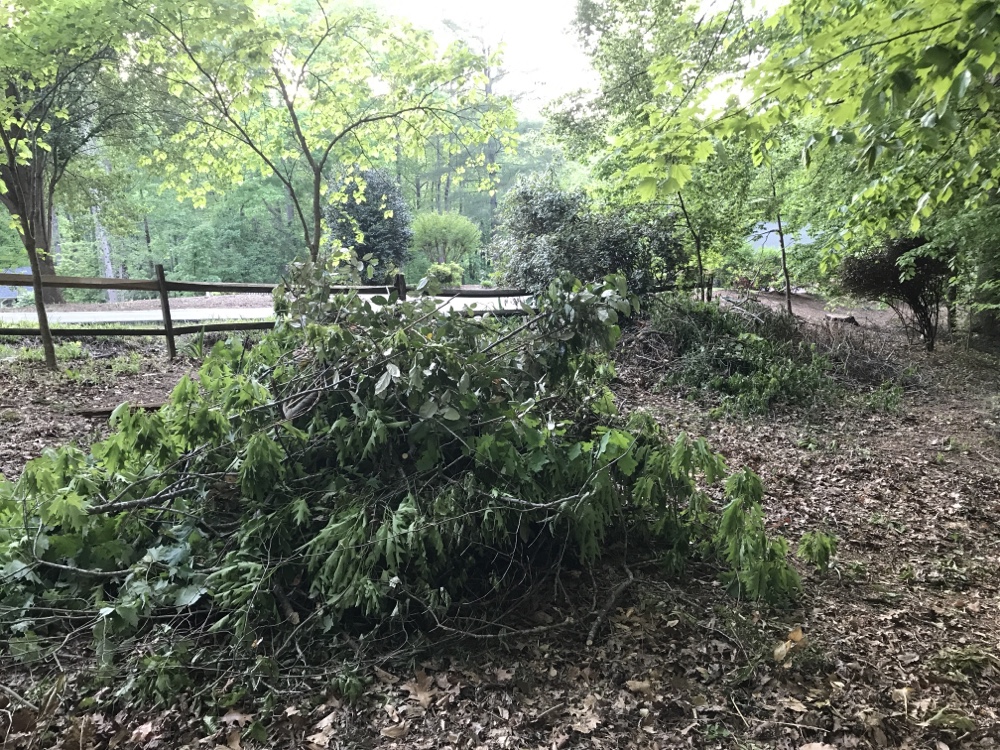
pixel 164 287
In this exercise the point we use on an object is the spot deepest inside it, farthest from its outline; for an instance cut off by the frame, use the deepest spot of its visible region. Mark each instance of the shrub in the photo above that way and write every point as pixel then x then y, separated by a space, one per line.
pixel 445 238
pixel 818 549
pixel 902 277
pixel 447 273
pixel 373 220
pixel 754 360
pixel 544 231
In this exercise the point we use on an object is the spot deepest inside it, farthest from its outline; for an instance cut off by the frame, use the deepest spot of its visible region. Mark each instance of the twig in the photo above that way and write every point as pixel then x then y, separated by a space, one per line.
pixel 284 605
pixel 504 633
pixel 603 614
pixel 84 571
pixel 19 698
pixel 546 712
pixel 180 488
pixel 742 309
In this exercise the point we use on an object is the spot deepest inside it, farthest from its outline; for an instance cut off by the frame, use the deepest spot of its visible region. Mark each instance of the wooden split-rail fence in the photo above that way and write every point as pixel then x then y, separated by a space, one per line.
pixel 165 287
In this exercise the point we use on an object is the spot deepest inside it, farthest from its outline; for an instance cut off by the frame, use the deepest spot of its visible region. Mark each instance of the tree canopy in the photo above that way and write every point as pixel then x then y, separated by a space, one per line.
pixel 298 91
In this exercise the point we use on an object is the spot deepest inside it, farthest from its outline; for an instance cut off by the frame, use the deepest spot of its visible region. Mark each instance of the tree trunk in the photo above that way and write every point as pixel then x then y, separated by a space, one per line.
pixel 492 148
pixel 951 302
pixel 104 250
pixel 781 242
pixel 43 319
pixel 696 237
pixel 784 266
pixel 438 173
pixel 54 237
pixel 399 163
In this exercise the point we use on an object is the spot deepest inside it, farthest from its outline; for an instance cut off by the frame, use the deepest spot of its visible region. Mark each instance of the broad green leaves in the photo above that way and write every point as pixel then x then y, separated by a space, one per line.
pixel 434 447
pixel 306 92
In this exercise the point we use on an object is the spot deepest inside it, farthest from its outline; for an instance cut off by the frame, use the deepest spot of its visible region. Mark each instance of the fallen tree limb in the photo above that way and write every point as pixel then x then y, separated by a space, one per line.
pixel 612 598
pixel 16 696
pixel 106 411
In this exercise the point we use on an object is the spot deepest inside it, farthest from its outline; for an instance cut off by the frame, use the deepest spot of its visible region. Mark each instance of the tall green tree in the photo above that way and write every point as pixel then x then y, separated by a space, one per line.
pixel 61 69
pixel 304 89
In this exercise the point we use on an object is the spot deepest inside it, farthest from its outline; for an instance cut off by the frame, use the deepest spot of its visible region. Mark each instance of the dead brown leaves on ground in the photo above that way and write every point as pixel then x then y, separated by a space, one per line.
pixel 895 647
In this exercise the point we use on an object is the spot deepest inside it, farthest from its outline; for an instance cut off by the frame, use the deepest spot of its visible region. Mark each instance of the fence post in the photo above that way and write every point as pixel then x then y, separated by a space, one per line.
pixel 400 284
pixel 168 324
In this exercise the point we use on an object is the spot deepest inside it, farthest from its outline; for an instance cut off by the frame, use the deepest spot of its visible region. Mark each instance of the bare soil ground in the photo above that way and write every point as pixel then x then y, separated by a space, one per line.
pixel 813 309
pixel 897 647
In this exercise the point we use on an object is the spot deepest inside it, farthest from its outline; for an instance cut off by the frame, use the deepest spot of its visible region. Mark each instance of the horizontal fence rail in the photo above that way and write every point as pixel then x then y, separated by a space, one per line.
pixel 225 287
pixel 164 287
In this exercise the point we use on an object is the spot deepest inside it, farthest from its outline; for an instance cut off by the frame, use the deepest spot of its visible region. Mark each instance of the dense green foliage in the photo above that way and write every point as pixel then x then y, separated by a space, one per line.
pixel 913 283
pixel 363 463
pixel 750 361
pixel 860 121
pixel 449 274
pixel 445 238
pixel 372 218
pixel 545 230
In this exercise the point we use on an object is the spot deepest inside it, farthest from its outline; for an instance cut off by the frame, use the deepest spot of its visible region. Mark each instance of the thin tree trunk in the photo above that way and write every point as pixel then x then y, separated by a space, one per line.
pixel 781 242
pixel 697 248
pixel 55 238
pixel 438 173
pixel 104 250
pixel 43 319
pixel 492 148
pixel 784 266
pixel 42 228
pixel 447 176
pixel 399 162
pixel 951 301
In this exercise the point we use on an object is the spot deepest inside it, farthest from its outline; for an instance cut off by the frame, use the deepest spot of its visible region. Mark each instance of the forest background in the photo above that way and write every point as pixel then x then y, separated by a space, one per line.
pixel 755 147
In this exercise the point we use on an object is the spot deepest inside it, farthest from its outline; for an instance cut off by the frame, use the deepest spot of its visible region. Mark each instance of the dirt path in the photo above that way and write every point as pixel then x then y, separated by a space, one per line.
pixel 814 309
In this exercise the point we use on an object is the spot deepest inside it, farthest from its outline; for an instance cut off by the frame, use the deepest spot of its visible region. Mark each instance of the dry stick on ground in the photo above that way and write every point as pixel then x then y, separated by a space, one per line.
pixel 15 696
pixel 612 598
pixel 286 606
pixel 742 309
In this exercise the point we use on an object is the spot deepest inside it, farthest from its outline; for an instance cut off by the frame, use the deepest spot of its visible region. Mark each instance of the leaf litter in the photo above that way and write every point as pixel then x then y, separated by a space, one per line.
pixel 896 646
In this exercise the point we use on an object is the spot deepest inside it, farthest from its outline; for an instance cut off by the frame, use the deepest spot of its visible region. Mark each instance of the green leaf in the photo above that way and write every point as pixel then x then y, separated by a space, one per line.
pixel 383 383
pixel 188 595
pixel 647 188
pixel 961 84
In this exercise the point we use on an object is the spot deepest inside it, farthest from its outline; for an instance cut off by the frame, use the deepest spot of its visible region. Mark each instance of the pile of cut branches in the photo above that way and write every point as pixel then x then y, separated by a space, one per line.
pixel 369 462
